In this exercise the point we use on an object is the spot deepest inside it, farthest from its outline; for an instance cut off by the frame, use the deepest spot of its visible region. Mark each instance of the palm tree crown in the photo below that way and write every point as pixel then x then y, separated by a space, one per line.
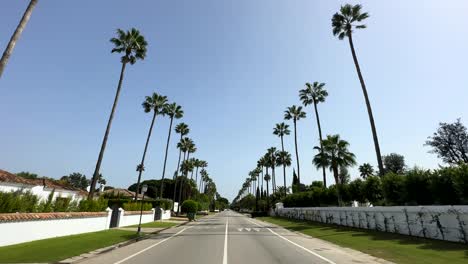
pixel 131 43
pixel 294 112
pixel 366 170
pixel 182 129
pixel 281 129
pixel 173 111
pixel 335 154
pixel 348 18
pixel 155 103
pixel 283 158
pixel 313 93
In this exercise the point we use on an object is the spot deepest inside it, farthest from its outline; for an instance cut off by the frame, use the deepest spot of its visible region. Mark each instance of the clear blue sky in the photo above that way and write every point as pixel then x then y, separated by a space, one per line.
pixel 234 66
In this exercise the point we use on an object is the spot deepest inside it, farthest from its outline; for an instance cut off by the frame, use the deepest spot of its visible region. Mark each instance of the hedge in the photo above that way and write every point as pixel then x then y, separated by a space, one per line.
pixel 137 206
pixel 165 204
pixel 189 206
pixel 444 186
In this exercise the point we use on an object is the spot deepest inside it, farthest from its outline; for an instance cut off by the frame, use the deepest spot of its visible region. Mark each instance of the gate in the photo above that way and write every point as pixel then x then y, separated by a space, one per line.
pixel 114 222
pixel 158 213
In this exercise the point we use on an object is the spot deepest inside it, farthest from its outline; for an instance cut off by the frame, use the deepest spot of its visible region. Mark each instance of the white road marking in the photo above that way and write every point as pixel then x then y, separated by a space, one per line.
pixel 143 250
pixel 226 241
pixel 239 229
pixel 297 245
pixel 256 229
pixel 248 229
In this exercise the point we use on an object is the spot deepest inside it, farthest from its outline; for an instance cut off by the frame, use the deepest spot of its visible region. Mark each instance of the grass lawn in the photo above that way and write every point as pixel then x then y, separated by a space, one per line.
pixel 392 247
pixel 60 248
pixel 157 224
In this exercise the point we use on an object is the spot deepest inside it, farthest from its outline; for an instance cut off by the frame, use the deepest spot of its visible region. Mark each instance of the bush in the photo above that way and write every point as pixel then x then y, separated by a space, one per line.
pixel 393 189
pixel 417 187
pixel 98 205
pixel 165 204
pixel 189 206
pixel 136 206
pixel 373 189
pixel 356 191
pixel 22 202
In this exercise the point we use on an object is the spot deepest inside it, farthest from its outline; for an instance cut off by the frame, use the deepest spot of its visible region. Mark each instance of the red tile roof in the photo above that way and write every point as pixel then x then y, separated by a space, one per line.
pixel 6 176
pixel 16 217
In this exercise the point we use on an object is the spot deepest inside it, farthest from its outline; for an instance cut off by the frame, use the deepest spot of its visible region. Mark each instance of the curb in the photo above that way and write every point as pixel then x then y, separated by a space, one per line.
pixel 99 251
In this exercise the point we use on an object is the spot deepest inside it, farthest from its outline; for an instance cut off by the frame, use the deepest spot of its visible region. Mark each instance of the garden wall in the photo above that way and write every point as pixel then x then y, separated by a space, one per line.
pixel 24 227
pixel 436 222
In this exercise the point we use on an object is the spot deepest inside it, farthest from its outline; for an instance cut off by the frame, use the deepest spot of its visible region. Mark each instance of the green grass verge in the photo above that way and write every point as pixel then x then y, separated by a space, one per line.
pixel 156 224
pixel 392 247
pixel 60 248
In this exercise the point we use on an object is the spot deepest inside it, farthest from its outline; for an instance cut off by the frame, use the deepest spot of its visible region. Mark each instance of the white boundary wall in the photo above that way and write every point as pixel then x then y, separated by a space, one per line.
pixel 134 219
pixel 25 231
pixel 437 222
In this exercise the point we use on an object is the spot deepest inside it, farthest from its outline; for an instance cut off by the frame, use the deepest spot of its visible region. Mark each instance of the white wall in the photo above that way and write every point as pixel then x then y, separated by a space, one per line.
pixel 166 215
pixel 25 231
pixel 436 222
pixel 134 219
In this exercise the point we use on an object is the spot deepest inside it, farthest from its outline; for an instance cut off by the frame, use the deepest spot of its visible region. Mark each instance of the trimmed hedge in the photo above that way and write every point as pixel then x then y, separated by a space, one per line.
pixel 189 206
pixel 165 204
pixel 445 186
pixel 136 206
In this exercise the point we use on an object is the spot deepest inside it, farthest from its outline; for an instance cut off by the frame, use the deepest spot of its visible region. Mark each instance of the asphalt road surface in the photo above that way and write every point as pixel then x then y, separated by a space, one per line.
pixel 229 237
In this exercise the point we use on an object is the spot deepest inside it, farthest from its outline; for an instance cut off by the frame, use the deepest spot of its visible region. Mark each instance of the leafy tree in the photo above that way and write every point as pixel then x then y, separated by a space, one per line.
pixel 344 175
pixel 172 111
pixel 450 142
pixel 27 175
pixel 295 113
pixel 343 24
pixel 155 103
pixel 366 170
pixel 133 46
pixel 394 163
pixel 101 180
pixel 314 94
pixel 76 180
pixel 19 30
pixel 373 189
pixel 356 191
pixel 418 187
pixel 393 189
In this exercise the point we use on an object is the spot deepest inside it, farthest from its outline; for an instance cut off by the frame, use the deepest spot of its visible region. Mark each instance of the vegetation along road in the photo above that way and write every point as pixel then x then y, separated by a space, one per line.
pixel 229 237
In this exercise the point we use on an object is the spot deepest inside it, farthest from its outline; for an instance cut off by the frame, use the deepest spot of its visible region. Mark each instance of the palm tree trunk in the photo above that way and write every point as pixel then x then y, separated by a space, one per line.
pixel 144 155
pixel 268 196
pixel 165 158
pixel 196 175
pixel 273 181
pixel 180 189
pixel 369 109
pixel 19 29
pixel 178 162
pixel 106 135
pixel 337 181
pixel 284 168
pixel 297 153
pixel 321 144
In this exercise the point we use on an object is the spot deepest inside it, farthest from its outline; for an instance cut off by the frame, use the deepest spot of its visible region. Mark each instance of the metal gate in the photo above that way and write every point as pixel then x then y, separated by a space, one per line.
pixel 158 213
pixel 114 222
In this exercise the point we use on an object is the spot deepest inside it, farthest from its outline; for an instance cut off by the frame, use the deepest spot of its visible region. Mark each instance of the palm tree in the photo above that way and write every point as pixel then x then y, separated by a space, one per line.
pixel 183 147
pixel 284 158
pixel 189 147
pixel 272 154
pixel 314 94
pixel 155 103
pixel 183 130
pixel 133 46
pixel 173 111
pixel 366 170
pixel 261 165
pixel 267 178
pixel 203 177
pixel 343 24
pixel 335 155
pixel 202 164
pixel 19 30
pixel 295 113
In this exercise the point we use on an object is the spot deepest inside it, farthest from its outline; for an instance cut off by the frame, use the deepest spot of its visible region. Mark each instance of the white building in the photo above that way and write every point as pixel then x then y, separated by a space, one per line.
pixel 40 187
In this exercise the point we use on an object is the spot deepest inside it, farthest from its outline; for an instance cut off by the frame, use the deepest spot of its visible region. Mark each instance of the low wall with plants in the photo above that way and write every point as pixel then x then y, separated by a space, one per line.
pixel 24 227
pixel 436 222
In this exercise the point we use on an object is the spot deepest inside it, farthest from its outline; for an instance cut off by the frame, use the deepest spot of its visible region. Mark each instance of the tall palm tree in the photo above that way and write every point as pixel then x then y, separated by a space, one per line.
pixel 335 155
pixel 189 148
pixel 343 23
pixel 133 46
pixel 173 111
pixel 19 30
pixel 314 94
pixel 183 147
pixel 183 130
pixel 295 113
pixel 202 164
pixel 261 165
pixel 203 177
pixel 366 170
pixel 281 129
pixel 267 178
pixel 272 154
pixel 284 159
pixel 156 104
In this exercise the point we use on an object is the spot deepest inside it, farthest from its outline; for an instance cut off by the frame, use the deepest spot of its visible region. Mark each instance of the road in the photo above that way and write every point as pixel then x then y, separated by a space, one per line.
pixel 229 237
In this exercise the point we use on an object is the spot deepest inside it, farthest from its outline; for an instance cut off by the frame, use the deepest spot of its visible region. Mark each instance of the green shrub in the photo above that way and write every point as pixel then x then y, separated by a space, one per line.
pixel 356 191
pixel 443 186
pixel 61 204
pixel 373 189
pixel 418 187
pixel 136 206
pixel 98 205
pixel 189 206
pixel 393 189
pixel 13 202
pixel 118 202
pixel 165 204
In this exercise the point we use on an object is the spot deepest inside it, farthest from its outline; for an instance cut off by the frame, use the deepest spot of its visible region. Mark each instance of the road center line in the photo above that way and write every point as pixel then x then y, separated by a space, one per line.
pixel 226 240
pixel 143 250
pixel 297 245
